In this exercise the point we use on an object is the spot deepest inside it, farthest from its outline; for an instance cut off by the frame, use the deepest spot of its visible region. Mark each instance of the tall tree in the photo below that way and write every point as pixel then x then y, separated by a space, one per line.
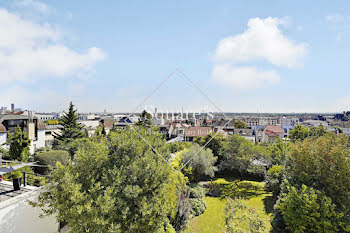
pixel 19 145
pixel 69 126
pixel 145 119
pixel 240 125
pixel 118 184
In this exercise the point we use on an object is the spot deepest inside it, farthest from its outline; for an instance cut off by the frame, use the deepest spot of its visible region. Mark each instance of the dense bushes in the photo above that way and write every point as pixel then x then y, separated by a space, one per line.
pixel 307 210
pixel 315 196
pixel 273 179
pixel 50 158
pixel 197 201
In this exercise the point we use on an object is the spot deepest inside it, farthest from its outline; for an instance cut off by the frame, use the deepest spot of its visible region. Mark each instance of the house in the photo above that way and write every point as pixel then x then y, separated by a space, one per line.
pixel 286 130
pixel 246 133
pixel 272 133
pixel 197 131
pixel 227 126
pixel 29 124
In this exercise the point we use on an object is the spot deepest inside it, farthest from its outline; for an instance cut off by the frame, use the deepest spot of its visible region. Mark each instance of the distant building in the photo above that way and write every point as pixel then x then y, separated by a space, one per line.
pixel 246 133
pixel 29 124
pixel 192 132
pixel 272 133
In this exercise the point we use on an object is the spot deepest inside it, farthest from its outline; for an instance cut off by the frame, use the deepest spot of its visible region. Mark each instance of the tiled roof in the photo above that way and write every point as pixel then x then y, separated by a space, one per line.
pixel 273 130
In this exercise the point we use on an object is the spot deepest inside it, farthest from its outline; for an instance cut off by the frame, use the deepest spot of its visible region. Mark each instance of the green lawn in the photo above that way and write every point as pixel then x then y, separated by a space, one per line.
pixel 213 219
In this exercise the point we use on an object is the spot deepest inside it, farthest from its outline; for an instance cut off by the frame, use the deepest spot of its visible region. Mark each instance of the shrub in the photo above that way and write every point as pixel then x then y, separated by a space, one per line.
pixel 307 210
pixel 216 186
pixel 198 206
pixel 50 158
pixel 197 191
pixel 273 179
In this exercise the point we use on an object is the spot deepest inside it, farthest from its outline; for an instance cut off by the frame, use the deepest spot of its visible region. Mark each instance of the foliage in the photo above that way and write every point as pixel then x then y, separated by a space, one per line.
pixel 70 128
pixel 324 164
pixel 239 217
pixel 145 119
pixel 278 151
pixel 240 125
pixel 178 146
pixel 273 179
pixel 19 145
pixel 52 122
pixel 197 201
pixel 308 210
pixel 198 206
pixel 242 189
pixel 238 154
pixel 198 163
pixel 50 158
pixel 14 175
pixel 216 186
pixel 116 185
pixel 300 133
pixel 215 143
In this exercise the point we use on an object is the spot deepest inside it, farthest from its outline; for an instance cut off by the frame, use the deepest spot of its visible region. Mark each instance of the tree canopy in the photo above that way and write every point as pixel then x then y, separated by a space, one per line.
pixel 118 184
pixel 19 145
pixel 69 126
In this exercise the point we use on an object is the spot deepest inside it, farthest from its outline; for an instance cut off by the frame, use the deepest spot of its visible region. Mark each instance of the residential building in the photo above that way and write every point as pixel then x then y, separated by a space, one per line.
pixel 272 133
pixel 197 131
pixel 29 124
pixel 246 133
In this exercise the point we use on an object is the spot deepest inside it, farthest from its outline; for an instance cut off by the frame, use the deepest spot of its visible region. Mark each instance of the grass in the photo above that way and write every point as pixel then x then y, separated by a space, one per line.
pixel 213 219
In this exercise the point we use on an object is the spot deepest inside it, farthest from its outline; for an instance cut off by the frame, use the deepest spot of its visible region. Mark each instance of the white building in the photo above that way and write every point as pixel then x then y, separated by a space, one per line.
pixel 29 124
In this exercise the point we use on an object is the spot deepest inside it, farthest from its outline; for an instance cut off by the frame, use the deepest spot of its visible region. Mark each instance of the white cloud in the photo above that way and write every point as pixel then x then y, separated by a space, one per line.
pixel 263 40
pixel 244 77
pixel 33 5
pixel 30 51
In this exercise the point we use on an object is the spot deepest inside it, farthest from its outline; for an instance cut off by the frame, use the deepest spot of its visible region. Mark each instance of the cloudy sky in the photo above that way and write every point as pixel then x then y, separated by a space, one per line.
pixel 245 56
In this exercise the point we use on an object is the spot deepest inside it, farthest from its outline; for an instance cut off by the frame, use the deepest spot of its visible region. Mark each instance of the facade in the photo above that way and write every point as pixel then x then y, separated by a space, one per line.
pixel 31 125
pixel 246 133
pixel 192 132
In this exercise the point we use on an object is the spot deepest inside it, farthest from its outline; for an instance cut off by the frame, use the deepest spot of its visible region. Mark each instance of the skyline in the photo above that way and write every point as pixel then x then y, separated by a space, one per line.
pixel 274 57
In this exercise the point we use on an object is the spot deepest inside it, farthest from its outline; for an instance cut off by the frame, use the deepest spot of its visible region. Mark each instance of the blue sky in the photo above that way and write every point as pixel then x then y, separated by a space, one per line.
pixel 266 56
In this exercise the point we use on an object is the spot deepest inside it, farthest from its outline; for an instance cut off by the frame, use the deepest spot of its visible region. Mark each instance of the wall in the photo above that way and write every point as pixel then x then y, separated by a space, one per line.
pixel 17 216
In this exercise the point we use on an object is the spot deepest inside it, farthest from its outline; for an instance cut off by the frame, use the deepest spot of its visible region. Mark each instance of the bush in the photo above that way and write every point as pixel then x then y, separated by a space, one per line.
pixel 216 186
pixel 197 191
pixel 50 158
pixel 273 179
pixel 307 210
pixel 198 206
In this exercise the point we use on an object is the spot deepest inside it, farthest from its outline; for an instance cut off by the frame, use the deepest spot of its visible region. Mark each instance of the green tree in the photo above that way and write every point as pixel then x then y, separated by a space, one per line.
pixel 215 143
pixel 145 119
pixel 117 185
pixel 324 164
pixel 19 145
pixel 308 210
pixel 70 128
pixel 240 125
pixel 198 162
pixel 238 153
pixel 298 133
pixel 50 158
